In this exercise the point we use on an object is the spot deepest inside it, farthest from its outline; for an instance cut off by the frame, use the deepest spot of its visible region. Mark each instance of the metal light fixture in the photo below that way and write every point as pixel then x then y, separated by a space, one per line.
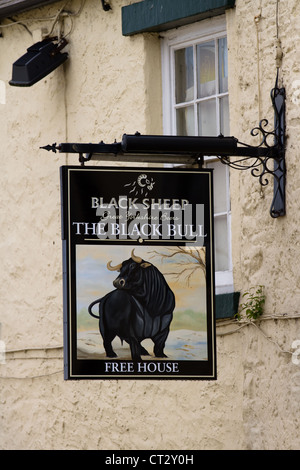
pixel 106 6
pixel 40 60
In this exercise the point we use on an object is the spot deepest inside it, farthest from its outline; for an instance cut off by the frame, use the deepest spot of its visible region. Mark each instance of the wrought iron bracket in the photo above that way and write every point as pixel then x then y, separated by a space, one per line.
pixel 271 162
pixel 265 160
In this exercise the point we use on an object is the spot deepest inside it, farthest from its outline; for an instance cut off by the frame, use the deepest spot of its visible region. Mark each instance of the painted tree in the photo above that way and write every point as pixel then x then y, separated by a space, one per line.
pixel 188 261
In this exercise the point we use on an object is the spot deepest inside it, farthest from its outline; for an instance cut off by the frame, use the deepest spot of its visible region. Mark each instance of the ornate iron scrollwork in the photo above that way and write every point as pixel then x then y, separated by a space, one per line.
pixel 270 160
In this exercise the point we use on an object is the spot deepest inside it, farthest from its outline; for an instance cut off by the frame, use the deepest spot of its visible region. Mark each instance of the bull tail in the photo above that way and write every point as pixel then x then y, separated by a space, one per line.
pixel 91 306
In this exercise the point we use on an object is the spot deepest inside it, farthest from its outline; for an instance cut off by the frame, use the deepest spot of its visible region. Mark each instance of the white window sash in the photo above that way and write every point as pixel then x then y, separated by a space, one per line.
pixel 186 36
pixel 176 39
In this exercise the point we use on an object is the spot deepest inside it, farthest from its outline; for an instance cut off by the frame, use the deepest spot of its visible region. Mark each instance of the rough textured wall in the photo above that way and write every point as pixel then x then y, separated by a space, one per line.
pixel 106 89
pixel 266 250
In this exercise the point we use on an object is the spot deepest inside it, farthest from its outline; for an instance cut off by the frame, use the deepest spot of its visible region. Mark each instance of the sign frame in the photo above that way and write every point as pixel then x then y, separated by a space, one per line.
pixel 89 193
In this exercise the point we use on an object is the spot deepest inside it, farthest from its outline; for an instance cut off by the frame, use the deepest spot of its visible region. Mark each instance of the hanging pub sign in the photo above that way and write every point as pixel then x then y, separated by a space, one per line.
pixel 138 273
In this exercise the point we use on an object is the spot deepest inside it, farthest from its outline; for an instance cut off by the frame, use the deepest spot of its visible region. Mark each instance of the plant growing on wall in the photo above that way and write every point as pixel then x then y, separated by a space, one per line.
pixel 254 303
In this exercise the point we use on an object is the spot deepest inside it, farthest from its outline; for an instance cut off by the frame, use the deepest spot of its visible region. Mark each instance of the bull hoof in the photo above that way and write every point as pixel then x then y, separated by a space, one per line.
pixel 161 355
pixel 144 352
pixel 113 354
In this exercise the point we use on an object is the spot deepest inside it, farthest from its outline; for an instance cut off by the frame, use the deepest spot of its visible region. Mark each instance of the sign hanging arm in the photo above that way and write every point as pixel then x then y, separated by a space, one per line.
pixel 264 160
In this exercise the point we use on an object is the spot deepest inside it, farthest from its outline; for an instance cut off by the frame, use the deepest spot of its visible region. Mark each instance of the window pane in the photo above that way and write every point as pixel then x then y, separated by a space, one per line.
pixel 224 115
pixel 201 107
pixel 206 75
pixel 221 244
pixel 220 186
pixel 207 118
pixel 185 121
pixel 223 67
pixel 184 75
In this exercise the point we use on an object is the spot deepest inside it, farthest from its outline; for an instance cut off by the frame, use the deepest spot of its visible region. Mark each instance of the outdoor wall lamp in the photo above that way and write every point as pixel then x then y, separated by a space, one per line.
pixel 106 6
pixel 40 60
pixel 264 160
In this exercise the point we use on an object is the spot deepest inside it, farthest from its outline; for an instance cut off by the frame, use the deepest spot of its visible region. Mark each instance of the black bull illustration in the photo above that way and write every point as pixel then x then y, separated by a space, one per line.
pixel 140 307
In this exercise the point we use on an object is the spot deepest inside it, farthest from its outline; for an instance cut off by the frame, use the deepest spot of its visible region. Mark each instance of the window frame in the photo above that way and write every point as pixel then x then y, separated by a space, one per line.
pixel 206 30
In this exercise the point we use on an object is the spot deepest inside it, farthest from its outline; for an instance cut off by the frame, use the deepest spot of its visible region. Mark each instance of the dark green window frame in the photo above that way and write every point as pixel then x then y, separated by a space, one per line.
pixel 160 15
pixel 227 305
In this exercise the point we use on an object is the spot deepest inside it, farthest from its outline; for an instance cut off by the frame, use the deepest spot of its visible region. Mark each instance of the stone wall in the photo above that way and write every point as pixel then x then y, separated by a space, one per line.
pixel 111 85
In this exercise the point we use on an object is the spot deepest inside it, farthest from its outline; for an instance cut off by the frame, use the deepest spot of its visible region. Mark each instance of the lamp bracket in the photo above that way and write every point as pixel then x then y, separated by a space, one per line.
pixel 267 159
pixel 272 161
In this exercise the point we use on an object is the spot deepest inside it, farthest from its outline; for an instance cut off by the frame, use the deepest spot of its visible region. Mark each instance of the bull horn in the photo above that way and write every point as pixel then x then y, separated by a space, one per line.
pixel 113 268
pixel 137 259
